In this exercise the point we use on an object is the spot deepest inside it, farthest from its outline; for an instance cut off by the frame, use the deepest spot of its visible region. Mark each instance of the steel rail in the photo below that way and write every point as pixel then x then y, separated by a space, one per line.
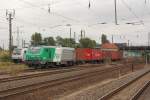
pixel 140 91
pixel 34 87
pixel 112 93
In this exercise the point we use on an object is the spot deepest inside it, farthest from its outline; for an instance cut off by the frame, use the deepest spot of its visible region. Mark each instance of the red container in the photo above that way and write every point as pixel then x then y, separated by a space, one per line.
pixel 83 54
pixel 97 54
pixel 106 54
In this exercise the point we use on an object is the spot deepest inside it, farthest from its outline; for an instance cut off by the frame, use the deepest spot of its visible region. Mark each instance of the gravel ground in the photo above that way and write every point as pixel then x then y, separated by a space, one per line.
pixel 34 80
pixel 59 91
pixel 65 88
pixel 97 91
pixel 128 92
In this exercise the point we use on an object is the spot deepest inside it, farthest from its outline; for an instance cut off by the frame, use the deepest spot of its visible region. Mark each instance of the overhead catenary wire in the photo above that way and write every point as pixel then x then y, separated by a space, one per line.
pixel 141 21
pixel 36 6
pixel 57 14
pixel 132 12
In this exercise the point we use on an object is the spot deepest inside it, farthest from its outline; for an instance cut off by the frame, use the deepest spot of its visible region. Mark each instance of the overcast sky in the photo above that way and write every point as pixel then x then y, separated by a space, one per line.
pixel 32 16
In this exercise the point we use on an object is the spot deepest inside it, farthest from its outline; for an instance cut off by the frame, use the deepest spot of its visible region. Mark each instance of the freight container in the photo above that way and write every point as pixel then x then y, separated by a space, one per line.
pixel 116 55
pixel 83 55
pixel 65 56
pixel 106 55
pixel 97 55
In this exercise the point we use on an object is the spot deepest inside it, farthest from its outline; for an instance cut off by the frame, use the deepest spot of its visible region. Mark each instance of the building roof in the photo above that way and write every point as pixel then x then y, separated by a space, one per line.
pixel 109 46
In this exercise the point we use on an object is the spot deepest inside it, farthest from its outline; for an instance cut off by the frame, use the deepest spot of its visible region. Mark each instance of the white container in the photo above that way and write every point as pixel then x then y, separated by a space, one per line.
pixel 64 55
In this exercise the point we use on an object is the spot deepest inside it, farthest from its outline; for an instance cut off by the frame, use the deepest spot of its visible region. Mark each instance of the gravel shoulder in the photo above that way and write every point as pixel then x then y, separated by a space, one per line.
pixel 100 89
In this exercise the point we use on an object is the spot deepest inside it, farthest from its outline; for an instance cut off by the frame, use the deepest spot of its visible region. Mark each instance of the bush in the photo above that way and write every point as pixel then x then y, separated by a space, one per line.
pixel 4 56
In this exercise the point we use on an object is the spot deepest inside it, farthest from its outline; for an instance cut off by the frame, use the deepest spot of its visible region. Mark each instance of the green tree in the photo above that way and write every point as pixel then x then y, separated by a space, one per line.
pixel 87 43
pixel 59 40
pixel 49 41
pixel 36 39
pixel 104 39
pixel 67 42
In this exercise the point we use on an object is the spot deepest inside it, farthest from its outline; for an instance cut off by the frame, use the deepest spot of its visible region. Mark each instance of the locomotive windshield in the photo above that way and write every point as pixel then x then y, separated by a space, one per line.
pixel 17 51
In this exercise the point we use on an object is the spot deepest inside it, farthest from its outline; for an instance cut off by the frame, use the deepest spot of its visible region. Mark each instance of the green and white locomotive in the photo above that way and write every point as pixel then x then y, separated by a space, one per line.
pixel 44 56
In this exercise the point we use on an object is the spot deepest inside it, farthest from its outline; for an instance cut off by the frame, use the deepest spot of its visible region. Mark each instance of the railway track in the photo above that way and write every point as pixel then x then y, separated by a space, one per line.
pixel 30 83
pixel 38 73
pixel 33 87
pixel 53 68
pixel 117 92
pixel 143 93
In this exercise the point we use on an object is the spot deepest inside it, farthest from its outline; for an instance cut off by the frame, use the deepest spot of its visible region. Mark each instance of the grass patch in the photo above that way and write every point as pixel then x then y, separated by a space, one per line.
pixel 11 68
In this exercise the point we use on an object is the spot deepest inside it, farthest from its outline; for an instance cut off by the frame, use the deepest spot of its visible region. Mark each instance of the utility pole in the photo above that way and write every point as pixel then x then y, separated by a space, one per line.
pixel 10 15
pixel 70 38
pixel 149 39
pixel 74 36
pixel 70 33
pixel 128 42
pixel 22 43
pixel 18 36
pixel 69 42
pixel 146 51
pixel 75 39
pixel 112 39
pixel 81 34
pixel 84 33
pixel 116 20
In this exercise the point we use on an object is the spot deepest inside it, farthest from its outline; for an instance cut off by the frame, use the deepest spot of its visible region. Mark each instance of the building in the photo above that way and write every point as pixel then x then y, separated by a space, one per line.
pixel 109 47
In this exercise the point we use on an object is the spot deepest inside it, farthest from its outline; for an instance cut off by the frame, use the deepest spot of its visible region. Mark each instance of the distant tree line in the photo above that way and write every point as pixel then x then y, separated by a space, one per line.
pixel 36 39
